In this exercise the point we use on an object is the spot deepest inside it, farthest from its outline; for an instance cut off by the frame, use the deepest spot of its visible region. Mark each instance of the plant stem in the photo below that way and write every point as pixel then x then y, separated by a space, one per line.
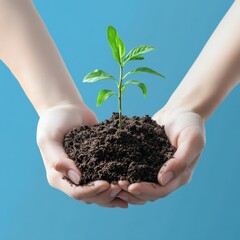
pixel 120 96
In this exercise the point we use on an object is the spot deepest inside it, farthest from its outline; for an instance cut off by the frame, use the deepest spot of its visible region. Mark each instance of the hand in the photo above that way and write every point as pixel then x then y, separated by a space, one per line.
pixel 61 171
pixel 186 132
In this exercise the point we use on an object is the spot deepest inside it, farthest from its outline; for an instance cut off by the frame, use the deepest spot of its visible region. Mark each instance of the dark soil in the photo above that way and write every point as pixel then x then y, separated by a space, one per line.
pixel 134 153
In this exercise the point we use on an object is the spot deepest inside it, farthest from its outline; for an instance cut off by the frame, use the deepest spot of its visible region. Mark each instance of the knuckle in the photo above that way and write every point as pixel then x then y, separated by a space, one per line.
pixel 51 180
pixel 87 202
pixel 153 200
pixel 41 139
pixel 76 195
pixel 202 142
pixel 164 193
pixel 58 165
pixel 183 164
pixel 102 201
pixel 198 139
pixel 106 205
pixel 179 165
pixel 187 177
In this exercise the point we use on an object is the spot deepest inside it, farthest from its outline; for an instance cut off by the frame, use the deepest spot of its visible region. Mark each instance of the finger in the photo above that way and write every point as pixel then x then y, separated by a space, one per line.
pixel 124 195
pixel 129 198
pixel 194 163
pixel 117 202
pixel 124 184
pixel 58 181
pixel 186 152
pixel 145 191
pixel 106 196
pixel 55 157
pixel 153 191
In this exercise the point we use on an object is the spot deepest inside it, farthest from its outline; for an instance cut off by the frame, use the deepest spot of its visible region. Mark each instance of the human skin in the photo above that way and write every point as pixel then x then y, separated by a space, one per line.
pixel 30 53
pixel 214 74
pixel 42 71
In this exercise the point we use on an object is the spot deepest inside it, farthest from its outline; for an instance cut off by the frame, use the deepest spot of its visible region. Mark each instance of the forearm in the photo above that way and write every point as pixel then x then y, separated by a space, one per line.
pixel 28 50
pixel 215 72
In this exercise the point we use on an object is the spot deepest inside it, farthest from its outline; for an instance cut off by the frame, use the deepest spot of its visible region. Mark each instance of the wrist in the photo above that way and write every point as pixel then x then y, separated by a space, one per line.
pixel 184 105
pixel 178 105
pixel 202 99
pixel 65 103
pixel 171 111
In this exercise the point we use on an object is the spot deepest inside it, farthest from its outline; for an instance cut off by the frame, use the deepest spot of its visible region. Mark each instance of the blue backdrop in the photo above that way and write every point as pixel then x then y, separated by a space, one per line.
pixel 207 208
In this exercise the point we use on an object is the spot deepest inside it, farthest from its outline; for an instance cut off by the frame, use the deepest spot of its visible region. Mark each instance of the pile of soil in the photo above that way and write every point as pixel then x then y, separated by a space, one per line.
pixel 105 152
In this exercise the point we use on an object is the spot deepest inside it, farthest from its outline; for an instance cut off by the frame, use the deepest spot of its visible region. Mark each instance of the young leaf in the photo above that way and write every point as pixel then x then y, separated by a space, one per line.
pixel 138 58
pixel 116 44
pixel 139 84
pixel 137 52
pixel 112 35
pixel 144 69
pixel 123 88
pixel 121 47
pixel 104 95
pixel 97 75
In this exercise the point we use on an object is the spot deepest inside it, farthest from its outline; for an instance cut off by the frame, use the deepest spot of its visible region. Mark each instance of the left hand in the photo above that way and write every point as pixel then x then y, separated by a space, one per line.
pixel 61 171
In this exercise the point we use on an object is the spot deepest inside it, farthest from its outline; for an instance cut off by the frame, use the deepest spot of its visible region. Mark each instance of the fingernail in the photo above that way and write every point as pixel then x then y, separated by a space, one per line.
pixel 73 176
pixel 114 193
pixel 166 178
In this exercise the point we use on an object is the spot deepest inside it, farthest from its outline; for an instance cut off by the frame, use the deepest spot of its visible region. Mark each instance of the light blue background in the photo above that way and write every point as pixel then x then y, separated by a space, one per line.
pixel 207 208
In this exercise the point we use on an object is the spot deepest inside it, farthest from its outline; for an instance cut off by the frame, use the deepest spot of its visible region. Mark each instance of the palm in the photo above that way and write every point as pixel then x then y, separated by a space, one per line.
pixel 52 127
pixel 58 121
pixel 187 133
pixel 181 126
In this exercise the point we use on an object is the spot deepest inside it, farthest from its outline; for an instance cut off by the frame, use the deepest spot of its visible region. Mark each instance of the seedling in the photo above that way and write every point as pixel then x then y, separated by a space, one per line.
pixel 118 51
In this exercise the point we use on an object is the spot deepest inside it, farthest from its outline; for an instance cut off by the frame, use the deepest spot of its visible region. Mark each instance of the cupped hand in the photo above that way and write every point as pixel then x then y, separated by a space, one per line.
pixel 186 131
pixel 61 171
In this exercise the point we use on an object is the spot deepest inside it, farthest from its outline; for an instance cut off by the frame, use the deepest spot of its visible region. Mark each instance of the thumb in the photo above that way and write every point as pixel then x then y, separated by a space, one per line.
pixel 188 150
pixel 57 159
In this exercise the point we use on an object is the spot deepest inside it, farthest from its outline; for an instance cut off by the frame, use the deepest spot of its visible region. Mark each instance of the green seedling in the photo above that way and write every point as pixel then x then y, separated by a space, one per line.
pixel 118 51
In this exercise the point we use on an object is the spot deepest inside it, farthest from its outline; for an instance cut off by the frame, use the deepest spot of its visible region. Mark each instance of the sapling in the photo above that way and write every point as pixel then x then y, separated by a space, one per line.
pixel 118 51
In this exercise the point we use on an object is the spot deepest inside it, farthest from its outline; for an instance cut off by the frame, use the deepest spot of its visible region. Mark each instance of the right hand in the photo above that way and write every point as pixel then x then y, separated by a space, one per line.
pixel 186 131
pixel 62 172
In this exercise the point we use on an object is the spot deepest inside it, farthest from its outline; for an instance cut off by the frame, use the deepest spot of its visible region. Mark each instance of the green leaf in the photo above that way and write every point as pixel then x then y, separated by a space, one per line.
pixel 137 58
pixel 116 44
pixel 139 84
pixel 121 47
pixel 97 75
pixel 123 88
pixel 144 70
pixel 112 36
pixel 137 52
pixel 104 95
